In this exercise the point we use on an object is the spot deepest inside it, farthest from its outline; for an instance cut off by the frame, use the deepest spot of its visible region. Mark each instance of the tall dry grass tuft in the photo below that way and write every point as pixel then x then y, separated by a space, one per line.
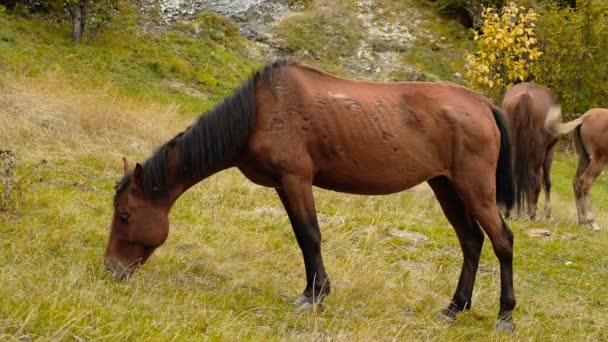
pixel 48 117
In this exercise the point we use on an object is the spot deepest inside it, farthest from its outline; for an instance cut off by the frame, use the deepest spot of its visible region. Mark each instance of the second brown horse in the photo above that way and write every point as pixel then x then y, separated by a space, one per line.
pixel 291 126
pixel 526 106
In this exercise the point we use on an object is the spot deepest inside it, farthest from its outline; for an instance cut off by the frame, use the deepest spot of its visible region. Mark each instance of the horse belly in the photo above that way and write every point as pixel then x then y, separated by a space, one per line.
pixel 371 176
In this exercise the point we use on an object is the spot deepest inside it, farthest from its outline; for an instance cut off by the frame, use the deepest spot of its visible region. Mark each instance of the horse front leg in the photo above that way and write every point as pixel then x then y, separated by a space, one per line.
pixel 296 195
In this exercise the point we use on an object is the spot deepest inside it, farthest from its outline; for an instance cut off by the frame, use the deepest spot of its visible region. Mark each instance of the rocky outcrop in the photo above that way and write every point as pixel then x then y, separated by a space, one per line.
pixel 254 16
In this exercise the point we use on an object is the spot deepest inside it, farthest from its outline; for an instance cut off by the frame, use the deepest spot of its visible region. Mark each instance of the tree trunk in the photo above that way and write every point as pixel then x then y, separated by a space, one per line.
pixel 78 13
pixel 585 55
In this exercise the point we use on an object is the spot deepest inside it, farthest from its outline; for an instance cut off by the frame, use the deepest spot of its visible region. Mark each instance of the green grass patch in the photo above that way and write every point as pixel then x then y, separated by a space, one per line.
pixel 320 35
pixel 231 266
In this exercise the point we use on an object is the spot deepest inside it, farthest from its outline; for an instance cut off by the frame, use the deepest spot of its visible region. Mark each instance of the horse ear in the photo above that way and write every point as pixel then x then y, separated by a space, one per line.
pixel 125 165
pixel 138 175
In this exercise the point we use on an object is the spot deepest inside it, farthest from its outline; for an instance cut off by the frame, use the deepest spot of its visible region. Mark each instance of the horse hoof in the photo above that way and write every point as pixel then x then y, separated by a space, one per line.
pixel 307 307
pixel 504 325
pixel 594 226
pixel 302 300
pixel 446 318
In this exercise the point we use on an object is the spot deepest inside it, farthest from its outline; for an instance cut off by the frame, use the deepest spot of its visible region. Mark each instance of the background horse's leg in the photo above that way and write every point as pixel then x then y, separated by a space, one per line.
pixel 547 180
pixel 470 237
pixel 583 164
pixel 534 193
pixel 297 198
pixel 582 190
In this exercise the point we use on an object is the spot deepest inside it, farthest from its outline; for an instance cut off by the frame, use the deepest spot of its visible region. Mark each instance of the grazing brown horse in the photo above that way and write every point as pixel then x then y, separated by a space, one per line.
pixel 526 106
pixel 591 141
pixel 292 127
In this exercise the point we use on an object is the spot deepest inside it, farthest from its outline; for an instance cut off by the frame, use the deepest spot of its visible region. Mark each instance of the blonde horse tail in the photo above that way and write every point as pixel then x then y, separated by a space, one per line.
pixel 554 124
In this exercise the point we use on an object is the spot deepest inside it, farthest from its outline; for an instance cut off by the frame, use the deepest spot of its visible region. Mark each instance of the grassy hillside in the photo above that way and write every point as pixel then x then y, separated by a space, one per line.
pixel 231 265
pixel 207 56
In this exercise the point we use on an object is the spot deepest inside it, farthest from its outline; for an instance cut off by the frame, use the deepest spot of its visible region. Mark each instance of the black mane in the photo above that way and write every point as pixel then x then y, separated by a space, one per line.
pixel 214 138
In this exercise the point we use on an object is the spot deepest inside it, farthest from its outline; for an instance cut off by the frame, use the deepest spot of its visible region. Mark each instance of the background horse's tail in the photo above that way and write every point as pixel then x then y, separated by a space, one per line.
pixel 505 189
pixel 582 152
pixel 554 124
pixel 525 149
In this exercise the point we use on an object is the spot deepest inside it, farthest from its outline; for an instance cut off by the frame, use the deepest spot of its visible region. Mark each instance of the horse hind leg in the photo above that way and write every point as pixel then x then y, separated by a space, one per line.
pixel 470 237
pixel 478 195
pixel 583 164
pixel 585 176
pixel 533 195
pixel 547 181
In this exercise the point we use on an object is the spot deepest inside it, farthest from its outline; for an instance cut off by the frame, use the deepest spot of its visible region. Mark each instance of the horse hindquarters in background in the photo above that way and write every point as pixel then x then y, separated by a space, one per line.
pixel 526 106
pixel 591 143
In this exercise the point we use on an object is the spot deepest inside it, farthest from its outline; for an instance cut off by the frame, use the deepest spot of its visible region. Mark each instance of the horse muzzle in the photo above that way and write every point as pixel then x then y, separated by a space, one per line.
pixel 120 270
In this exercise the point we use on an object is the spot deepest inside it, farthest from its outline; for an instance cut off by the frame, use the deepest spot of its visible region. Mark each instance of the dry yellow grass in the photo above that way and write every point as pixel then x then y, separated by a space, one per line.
pixel 63 120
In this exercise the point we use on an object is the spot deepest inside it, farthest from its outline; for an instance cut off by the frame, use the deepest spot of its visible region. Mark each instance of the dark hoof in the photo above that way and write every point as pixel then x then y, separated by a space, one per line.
pixel 505 325
pixel 446 316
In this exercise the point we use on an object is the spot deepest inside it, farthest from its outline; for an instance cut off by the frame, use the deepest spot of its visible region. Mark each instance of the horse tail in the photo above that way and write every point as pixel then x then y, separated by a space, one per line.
pixel 554 124
pixel 525 149
pixel 505 189
pixel 582 152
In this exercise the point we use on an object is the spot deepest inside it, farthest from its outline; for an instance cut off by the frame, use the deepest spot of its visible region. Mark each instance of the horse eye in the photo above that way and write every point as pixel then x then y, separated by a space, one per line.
pixel 124 218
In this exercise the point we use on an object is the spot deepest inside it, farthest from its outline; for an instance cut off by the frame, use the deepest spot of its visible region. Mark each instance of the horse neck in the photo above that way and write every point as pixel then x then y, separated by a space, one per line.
pixel 179 184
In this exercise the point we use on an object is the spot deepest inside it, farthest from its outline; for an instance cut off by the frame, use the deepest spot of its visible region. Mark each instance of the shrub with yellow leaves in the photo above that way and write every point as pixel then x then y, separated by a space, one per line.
pixel 506 50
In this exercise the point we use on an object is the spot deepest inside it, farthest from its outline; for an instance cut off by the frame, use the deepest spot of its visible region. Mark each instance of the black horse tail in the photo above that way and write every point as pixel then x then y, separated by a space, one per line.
pixel 505 187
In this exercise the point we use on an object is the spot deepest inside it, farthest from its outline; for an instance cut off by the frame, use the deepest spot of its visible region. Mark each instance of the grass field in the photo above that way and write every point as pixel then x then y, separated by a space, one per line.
pixel 231 265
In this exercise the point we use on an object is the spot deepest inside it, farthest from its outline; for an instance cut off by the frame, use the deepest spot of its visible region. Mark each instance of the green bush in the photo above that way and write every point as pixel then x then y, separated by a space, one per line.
pixel 320 34
pixel 506 50
pixel 469 11
pixel 575 48
pixel 211 26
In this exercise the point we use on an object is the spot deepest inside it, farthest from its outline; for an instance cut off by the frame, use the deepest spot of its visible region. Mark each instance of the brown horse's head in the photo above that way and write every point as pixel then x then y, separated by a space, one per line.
pixel 139 225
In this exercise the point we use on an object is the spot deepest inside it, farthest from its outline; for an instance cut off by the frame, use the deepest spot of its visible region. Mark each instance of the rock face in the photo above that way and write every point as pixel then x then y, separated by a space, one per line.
pixel 391 39
pixel 385 37
pixel 254 16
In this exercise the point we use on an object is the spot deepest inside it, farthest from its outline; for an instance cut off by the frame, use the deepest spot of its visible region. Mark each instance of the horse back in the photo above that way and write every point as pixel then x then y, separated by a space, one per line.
pixel 594 132
pixel 366 137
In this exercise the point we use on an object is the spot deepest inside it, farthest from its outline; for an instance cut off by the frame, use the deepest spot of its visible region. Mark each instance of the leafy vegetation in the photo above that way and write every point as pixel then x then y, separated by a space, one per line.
pixel 469 11
pixel 575 48
pixel 506 51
